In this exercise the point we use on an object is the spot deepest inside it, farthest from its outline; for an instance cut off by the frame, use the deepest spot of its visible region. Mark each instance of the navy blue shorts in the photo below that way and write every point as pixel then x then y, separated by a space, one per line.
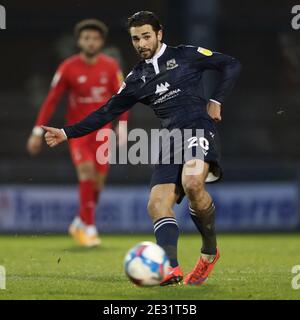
pixel 202 145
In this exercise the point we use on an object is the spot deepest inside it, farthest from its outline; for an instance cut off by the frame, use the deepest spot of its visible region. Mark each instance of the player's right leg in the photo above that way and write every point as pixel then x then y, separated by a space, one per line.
pixel 160 207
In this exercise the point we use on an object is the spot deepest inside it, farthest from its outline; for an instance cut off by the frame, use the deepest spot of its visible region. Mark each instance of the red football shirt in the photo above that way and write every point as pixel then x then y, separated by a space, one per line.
pixel 89 86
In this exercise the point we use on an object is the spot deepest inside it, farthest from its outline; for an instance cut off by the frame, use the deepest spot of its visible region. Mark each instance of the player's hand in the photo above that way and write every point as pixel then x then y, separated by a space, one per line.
pixel 34 144
pixel 214 111
pixel 121 131
pixel 54 136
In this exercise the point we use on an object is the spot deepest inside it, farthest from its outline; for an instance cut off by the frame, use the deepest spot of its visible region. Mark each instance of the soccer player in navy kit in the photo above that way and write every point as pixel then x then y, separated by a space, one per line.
pixel 168 79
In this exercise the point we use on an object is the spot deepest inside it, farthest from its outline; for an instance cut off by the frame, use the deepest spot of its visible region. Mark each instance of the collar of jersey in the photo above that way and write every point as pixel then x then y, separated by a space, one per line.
pixel 159 53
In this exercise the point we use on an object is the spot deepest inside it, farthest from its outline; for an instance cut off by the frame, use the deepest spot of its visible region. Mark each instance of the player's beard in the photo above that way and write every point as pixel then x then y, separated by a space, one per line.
pixel 151 52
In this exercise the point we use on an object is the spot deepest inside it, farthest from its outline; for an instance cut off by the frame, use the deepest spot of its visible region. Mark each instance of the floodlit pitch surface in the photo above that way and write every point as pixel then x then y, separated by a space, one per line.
pixel 52 267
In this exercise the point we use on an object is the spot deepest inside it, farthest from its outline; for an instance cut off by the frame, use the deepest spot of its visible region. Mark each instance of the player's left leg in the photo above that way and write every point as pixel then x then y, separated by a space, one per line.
pixel 202 212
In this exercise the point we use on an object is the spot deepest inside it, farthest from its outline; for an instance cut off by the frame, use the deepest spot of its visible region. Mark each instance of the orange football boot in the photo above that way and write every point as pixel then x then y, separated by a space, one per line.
pixel 74 228
pixel 174 276
pixel 201 271
pixel 87 240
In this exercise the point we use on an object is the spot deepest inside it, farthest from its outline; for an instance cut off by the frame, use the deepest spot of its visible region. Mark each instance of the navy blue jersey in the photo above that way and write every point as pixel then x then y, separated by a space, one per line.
pixel 171 84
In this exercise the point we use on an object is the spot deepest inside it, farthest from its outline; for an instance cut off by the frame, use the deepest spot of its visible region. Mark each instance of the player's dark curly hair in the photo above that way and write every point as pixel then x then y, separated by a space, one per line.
pixel 93 24
pixel 144 17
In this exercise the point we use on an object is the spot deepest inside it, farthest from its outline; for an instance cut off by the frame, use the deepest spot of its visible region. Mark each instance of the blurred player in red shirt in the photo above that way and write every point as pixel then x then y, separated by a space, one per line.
pixel 90 78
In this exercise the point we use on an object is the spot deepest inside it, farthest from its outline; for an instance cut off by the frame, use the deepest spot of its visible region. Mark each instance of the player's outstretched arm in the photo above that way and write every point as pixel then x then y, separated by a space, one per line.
pixel 58 87
pixel 54 136
pixel 116 106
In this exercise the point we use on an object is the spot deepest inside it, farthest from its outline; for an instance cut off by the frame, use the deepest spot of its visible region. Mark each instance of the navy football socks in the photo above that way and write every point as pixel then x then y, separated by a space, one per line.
pixel 166 232
pixel 205 223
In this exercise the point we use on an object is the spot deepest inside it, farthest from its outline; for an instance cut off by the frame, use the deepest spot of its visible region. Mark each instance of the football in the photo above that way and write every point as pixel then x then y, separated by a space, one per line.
pixel 146 264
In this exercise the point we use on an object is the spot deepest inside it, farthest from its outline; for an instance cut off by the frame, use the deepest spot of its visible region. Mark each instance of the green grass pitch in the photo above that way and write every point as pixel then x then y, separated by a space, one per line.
pixel 52 267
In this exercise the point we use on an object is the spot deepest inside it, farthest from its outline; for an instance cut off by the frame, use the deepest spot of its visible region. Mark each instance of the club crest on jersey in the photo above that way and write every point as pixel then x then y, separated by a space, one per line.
pixel 171 64
pixel 82 79
pixel 162 88
pixel 204 51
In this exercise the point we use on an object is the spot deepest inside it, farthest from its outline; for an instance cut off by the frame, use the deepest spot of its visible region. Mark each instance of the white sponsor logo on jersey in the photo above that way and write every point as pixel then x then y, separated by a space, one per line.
pixel 82 79
pixel 170 95
pixel 162 88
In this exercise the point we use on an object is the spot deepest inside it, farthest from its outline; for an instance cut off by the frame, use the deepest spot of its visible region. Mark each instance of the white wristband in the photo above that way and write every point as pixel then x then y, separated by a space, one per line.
pixel 215 101
pixel 37 131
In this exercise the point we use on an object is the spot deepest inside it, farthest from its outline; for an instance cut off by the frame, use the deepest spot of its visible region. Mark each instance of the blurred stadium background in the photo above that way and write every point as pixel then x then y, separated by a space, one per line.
pixel 259 132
